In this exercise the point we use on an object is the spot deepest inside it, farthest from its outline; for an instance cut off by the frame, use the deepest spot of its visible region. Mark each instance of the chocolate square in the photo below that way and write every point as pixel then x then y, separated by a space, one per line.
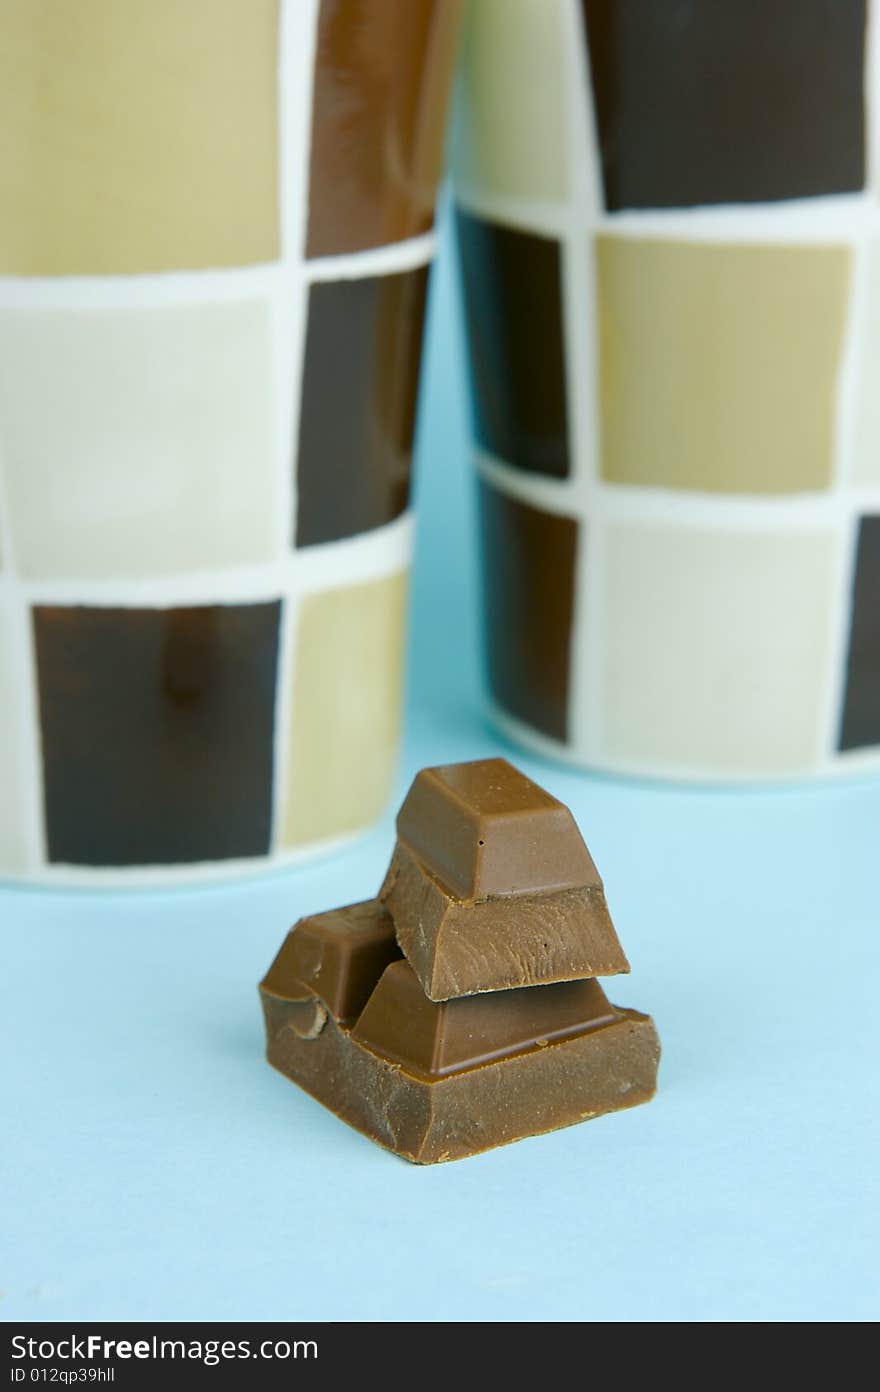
pixel 336 956
pixel 157 732
pixel 513 305
pixel 727 101
pixel 360 387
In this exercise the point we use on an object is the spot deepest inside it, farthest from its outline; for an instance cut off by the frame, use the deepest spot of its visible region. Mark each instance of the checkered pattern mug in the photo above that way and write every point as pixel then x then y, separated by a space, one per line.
pixel 216 223
pixel 669 229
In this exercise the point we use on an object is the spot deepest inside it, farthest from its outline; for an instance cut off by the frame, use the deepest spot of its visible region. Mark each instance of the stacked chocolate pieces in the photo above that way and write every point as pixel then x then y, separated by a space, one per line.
pixel 460 1009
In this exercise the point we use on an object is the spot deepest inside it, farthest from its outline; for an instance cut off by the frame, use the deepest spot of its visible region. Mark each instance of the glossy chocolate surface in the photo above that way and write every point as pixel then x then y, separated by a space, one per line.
pixel 336 956
pixel 382 75
pixel 491 887
pixel 528 559
pixel 483 828
pixel 357 419
pixel 727 101
pixel 432 1038
pixel 513 306
pixel 157 731
pixel 861 712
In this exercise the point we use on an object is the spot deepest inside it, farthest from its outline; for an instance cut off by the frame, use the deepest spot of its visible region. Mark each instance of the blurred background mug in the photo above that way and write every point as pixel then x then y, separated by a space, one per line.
pixel 669 233
pixel 216 222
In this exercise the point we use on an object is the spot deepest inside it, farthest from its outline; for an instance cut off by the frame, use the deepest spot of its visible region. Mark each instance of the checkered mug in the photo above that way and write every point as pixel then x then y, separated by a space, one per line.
pixel 215 232
pixel 669 230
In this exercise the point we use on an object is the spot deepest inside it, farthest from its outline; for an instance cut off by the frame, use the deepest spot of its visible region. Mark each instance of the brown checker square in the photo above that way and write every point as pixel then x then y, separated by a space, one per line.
pixel 528 579
pixel 382 74
pixel 727 101
pixel 513 307
pixel 359 394
pixel 157 732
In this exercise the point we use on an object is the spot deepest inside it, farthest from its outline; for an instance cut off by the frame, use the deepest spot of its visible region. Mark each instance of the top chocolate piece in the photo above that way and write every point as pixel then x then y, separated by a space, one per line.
pixel 485 830
pixel 492 888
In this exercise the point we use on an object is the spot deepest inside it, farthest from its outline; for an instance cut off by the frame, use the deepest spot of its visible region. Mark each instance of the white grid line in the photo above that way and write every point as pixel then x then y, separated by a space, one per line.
pixel 408 255
pixel 351 560
pixel 163 876
pixel 835 218
pixel 674 506
pixel 297 44
pixel 25 731
pixel 24 687
pixel 580 318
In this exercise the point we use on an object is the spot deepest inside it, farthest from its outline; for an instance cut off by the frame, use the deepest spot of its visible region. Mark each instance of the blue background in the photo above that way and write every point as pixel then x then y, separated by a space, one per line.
pixel 155 1168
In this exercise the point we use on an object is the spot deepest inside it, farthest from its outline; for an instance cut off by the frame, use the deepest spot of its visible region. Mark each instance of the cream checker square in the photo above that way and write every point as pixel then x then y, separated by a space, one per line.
pixel 137 442
pixel 716 648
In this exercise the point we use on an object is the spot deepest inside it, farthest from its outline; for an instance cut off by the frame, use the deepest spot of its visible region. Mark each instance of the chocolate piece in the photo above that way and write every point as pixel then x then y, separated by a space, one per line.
pixel 436 1082
pixel 492 887
pixel 337 956
pixel 484 828
pixel 348 1019
pixel 448 1118
pixel 458 948
pixel 439 1037
pixel 528 560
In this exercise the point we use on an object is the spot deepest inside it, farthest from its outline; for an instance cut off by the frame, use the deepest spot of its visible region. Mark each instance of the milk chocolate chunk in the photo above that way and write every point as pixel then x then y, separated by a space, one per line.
pixel 484 828
pixel 439 1037
pixel 491 886
pixel 349 1019
pixel 335 957
pixel 408 1076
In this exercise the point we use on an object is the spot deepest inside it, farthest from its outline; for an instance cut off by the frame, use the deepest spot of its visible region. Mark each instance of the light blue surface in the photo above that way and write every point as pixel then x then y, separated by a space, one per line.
pixel 154 1167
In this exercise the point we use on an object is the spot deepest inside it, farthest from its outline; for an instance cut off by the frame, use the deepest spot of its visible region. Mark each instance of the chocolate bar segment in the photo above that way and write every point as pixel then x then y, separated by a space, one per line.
pixel 483 828
pixel 428 1119
pixel 491 886
pixel 457 948
pixel 434 1038
pixel 336 957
